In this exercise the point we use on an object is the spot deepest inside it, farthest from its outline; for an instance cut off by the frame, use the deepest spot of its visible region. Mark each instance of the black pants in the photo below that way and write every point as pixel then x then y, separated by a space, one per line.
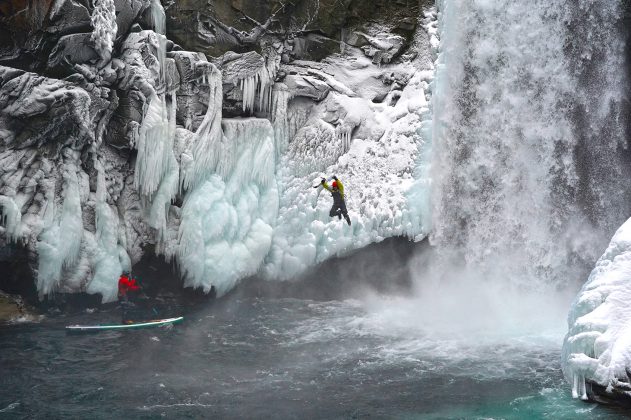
pixel 339 210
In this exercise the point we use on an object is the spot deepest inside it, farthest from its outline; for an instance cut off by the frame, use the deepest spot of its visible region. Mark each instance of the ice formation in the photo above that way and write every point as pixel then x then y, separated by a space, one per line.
pixel 259 84
pixel 104 23
pixel 10 218
pixel 60 241
pixel 227 220
pixel 597 348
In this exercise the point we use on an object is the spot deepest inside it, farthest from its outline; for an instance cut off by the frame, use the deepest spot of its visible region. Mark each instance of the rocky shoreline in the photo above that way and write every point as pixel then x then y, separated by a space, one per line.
pixel 13 308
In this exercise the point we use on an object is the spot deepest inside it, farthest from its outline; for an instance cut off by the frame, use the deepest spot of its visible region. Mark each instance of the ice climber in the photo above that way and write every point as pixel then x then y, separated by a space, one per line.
pixel 337 191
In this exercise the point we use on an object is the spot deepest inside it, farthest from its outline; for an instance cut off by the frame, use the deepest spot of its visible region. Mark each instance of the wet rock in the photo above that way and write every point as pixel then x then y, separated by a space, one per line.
pixel 11 307
pixel 215 27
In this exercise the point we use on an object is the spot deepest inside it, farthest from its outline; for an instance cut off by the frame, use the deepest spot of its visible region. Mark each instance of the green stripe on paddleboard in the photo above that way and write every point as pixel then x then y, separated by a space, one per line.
pixel 154 323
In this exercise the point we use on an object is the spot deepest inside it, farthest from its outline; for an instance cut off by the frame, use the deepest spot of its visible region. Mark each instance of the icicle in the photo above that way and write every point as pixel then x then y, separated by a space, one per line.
pixel 259 84
pixel 158 20
pixel 158 17
pixel 279 101
pixel 10 217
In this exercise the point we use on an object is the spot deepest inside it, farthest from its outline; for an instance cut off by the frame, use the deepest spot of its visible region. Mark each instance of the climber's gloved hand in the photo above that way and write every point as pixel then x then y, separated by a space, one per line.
pixel 322 180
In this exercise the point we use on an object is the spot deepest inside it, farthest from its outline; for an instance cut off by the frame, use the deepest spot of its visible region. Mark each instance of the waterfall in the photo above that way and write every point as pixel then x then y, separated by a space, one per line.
pixel 529 136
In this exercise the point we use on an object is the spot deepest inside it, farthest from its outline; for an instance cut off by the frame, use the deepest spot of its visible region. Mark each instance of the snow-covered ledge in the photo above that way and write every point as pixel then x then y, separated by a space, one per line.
pixel 597 347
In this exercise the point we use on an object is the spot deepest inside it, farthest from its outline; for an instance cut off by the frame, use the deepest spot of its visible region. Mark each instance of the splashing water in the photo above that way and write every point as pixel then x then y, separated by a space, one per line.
pixel 527 179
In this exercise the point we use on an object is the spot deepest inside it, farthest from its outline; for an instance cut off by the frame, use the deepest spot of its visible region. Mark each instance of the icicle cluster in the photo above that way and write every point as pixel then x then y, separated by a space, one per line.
pixel 344 136
pixel 10 218
pixel 261 83
pixel 103 21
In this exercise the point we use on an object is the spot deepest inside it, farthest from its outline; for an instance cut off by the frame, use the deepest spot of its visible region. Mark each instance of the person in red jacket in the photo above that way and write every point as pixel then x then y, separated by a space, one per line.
pixel 127 287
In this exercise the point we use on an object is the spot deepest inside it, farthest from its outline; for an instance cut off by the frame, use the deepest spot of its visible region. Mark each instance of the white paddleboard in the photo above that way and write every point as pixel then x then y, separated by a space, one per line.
pixel 152 323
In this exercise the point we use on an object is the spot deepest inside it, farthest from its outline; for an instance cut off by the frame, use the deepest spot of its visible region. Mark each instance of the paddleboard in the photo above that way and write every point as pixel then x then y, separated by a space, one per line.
pixel 144 324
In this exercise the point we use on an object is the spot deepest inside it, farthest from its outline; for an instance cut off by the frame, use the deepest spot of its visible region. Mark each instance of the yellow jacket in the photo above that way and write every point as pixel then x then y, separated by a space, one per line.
pixel 340 187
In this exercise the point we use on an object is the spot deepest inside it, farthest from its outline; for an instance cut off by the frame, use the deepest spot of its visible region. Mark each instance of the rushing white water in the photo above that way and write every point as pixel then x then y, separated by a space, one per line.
pixel 522 168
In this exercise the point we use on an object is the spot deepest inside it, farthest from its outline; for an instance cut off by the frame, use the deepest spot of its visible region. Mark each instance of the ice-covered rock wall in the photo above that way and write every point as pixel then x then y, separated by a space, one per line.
pixel 116 140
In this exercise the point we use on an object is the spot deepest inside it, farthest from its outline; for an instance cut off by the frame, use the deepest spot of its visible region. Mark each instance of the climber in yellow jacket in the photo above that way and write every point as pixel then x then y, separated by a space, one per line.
pixel 339 205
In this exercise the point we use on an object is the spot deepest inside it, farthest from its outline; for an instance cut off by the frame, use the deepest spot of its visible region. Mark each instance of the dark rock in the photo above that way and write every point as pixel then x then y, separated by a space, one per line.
pixel 407 24
pixel 356 39
pixel 314 47
pixel 24 42
pixel 69 17
pixel 172 75
pixel 193 93
pixel 29 103
pixel 215 27
pixel 73 49
pixel 127 12
pixel 617 395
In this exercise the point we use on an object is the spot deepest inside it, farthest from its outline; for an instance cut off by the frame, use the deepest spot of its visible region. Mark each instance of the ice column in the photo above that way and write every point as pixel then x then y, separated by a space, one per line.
pixel 209 139
pixel 280 101
pixel 109 257
pixel 59 244
pixel 228 217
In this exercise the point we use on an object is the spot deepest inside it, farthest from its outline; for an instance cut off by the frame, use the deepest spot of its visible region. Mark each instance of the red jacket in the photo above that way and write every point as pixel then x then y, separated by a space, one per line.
pixel 127 284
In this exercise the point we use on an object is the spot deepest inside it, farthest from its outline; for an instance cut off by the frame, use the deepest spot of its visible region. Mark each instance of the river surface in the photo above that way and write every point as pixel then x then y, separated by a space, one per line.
pixel 247 356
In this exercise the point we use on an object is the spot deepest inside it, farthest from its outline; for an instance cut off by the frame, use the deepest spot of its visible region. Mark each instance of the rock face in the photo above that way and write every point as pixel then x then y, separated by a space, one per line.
pixel 309 29
pixel 192 128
